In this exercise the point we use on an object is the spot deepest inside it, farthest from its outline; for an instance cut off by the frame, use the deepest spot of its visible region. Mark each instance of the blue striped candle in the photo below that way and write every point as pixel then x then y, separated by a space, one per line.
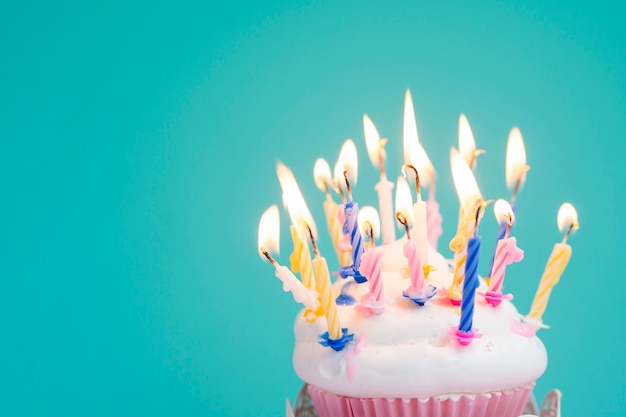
pixel 470 284
pixel 351 227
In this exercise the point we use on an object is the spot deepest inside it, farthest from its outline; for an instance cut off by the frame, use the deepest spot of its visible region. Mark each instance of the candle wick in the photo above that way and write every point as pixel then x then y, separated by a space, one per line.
pixel 370 233
pixel 417 178
pixel 571 227
pixel 508 225
pixel 268 256
pixel 345 176
pixel 313 243
pixel 518 184
pixel 381 161
pixel 404 223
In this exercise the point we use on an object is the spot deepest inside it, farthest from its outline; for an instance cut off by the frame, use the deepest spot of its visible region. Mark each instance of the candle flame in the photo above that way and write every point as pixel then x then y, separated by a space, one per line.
pixel 503 212
pixel 368 217
pixel 321 175
pixel 464 181
pixel 467 144
pixel 375 145
pixel 294 202
pixel 348 162
pixel 515 159
pixel 269 231
pixel 414 153
pixel 567 217
pixel 404 200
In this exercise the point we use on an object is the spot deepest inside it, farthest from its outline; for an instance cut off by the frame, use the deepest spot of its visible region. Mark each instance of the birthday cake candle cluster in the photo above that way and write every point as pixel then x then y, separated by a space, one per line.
pixel 402 331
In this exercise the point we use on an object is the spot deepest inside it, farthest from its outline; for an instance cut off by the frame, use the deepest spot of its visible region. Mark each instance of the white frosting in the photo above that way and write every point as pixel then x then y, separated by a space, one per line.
pixel 408 352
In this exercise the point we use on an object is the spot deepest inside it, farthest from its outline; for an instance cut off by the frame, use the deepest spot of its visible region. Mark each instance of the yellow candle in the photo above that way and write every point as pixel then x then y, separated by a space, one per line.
pixel 554 269
pixel 459 245
pixel 561 253
pixel 301 259
pixel 327 297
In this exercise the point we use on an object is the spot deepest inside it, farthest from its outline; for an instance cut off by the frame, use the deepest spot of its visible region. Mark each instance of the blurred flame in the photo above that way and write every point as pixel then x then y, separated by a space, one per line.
pixel 515 159
pixel 503 211
pixel 567 216
pixel 414 153
pixel 269 231
pixel 404 200
pixel 347 161
pixel 368 215
pixel 467 144
pixel 464 181
pixel 294 202
pixel 375 148
pixel 321 174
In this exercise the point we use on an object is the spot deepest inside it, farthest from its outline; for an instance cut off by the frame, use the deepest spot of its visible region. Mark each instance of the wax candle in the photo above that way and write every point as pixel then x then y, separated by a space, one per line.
pixel 416 156
pixel 559 258
pixel 417 290
pixel 506 253
pixel 465 332
pixel 348 164
pixel 332 212
pixel 371 261
pixel 419 218
pixel 384 187
pixel 269 240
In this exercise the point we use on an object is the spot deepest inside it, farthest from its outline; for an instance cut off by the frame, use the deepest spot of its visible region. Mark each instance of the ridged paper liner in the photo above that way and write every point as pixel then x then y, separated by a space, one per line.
pixel 508 403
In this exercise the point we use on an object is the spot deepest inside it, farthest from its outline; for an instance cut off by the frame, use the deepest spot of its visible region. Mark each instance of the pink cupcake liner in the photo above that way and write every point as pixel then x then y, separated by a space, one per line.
pixel 509 403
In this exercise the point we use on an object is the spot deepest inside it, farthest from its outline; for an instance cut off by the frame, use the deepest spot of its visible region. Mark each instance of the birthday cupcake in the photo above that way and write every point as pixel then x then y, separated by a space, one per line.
pixel 404 332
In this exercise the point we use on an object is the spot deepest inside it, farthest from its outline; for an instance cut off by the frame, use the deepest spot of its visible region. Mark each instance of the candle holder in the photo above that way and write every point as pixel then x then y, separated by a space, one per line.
pixel 465 338
pixel 336 344
pixel 374 306
pixel 352 271
pixel 495 297
pixel 420 295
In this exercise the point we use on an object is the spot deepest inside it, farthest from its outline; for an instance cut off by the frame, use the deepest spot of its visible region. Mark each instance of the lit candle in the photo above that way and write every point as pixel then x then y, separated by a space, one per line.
pixel 516 169
pixel 465 333
pixel 469 195
pixel 371 261
pixel 506 253
pixel 300 257
pixel 567 218
pixel 348 162
pixel 323 180
pixel 417 291
pixel 377 154
pixel 269 240
pixel 414 154
pixel 419 217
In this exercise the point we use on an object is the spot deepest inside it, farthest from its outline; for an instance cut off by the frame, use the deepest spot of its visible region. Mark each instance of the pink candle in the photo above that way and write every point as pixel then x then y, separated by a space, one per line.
pixel 416 271
pixel 506 253
pixel 371 264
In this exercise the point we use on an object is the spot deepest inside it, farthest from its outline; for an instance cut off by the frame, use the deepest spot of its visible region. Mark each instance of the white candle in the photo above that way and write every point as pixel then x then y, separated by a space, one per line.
pixel 377 154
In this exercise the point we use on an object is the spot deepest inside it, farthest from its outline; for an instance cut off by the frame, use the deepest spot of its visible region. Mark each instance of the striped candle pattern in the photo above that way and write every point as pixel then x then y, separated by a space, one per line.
pixel 501 235
pixel 301 259
pixel 557 262
pixel 416 271
pixel 371 267
pixel 351 227
pixel 434 219
pixel 470 284
pixel 334 229
pixel 507 252
pixel 327 297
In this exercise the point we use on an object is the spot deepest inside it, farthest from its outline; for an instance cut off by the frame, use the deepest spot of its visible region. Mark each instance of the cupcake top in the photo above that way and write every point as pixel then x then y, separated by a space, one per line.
pixel 409 351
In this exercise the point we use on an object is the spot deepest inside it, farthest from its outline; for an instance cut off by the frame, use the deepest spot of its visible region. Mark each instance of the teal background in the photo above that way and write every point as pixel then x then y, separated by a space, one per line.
pixel 138 150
